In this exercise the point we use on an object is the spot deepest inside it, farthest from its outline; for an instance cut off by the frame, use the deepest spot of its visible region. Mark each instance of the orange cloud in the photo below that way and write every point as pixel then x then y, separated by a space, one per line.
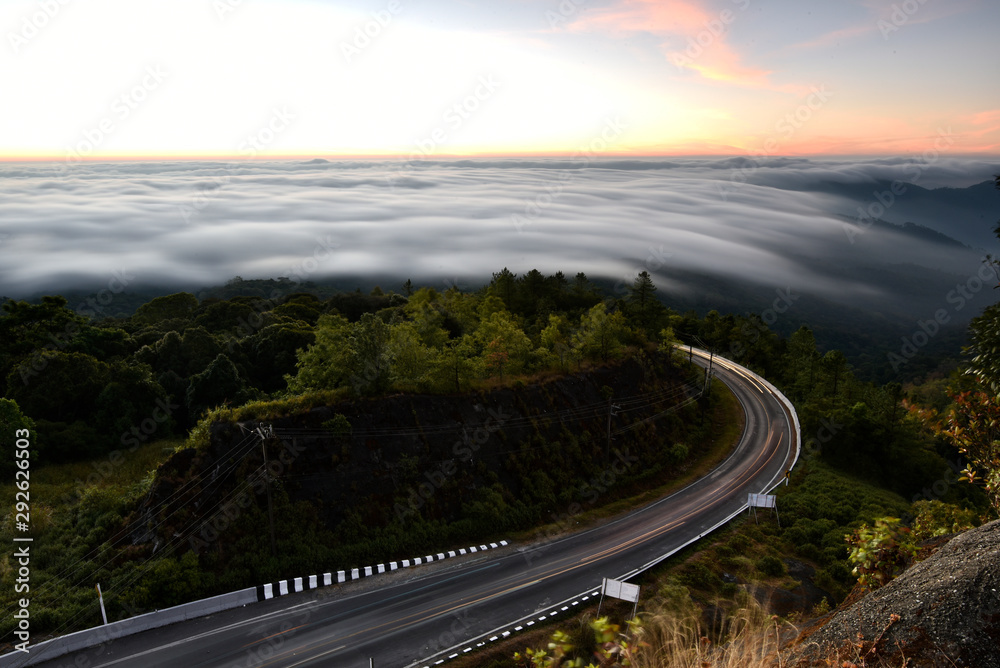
pixel 701 33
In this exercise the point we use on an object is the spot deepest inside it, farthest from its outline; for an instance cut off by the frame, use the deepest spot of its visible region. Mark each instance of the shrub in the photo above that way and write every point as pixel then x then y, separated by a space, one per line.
pixel 698 576
pixel 810 552
pixel 740 543
pixel 879 553
pixel 771 566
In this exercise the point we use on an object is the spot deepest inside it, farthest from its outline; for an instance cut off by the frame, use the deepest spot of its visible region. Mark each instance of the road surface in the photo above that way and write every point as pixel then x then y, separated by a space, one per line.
pixel 421 616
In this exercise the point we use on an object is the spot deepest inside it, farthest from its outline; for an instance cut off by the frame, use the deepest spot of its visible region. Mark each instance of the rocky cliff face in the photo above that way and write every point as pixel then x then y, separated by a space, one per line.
pixel 943 611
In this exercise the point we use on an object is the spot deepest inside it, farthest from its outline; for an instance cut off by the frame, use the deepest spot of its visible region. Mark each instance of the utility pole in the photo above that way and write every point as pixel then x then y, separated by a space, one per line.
pixel 708 372
pixel 267 475
pixel 611 411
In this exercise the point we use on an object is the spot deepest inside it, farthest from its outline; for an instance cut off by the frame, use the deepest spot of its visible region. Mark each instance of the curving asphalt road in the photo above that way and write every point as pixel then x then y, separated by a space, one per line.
pixel 422 616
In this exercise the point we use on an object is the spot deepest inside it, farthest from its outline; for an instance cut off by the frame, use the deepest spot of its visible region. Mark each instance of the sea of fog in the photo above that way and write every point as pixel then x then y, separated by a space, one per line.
pixel 805 224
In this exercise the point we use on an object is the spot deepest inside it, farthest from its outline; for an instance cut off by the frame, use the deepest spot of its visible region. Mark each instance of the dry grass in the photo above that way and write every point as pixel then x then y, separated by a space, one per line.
pixel 747 638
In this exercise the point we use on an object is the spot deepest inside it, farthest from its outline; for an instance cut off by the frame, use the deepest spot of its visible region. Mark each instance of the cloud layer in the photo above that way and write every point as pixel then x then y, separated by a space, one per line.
pixel 771 222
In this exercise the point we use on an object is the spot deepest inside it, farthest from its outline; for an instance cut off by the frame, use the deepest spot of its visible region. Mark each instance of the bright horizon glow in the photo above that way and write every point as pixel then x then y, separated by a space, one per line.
pixel 232 79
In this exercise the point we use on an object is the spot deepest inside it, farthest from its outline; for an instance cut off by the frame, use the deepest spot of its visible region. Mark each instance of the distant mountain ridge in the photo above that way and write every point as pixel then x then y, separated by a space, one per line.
pixel 967 215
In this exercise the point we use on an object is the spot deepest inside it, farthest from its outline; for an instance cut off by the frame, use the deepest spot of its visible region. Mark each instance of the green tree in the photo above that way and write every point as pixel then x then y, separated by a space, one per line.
pixel 13 420
pixel 412 361
pixel 555 341
pixel 368 355
pixel 181 305
pixel 299 309
pixel 803 362
pixel 505 345
pixel 504 284
pixel 324 365
pixel 185 354
pixel 835 365
pixel 132 399
pixel 64 390
pixel 455 363
pixel 345 354
pixel 427 315
pixel 645 310
pixel 220 383
pixel 974 429
pixel 601 334
pixel 223 316
pixel 270 353
pixel 28 330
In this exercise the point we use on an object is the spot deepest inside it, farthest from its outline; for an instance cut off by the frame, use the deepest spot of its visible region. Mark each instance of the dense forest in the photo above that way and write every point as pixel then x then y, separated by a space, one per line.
pixel 110 392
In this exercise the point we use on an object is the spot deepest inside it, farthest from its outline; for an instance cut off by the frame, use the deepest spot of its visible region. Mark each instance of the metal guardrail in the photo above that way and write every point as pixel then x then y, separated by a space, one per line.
pixel 506 630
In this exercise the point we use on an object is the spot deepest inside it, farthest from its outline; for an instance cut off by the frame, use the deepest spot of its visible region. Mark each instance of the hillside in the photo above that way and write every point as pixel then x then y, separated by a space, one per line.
pixel 387 477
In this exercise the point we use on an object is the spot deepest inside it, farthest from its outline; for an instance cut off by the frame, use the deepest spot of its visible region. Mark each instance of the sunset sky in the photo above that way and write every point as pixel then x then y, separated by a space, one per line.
pixel 230 78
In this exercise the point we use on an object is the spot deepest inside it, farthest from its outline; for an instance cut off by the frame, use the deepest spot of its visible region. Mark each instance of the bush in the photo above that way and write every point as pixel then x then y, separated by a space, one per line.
pixel 879 553
pixel 740 543
pixel 771 566
pixel 698 576
pixel 724 551
pixel 810 552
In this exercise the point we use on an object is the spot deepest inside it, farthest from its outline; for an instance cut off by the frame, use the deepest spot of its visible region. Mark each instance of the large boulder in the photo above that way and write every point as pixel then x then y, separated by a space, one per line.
pixel 944 611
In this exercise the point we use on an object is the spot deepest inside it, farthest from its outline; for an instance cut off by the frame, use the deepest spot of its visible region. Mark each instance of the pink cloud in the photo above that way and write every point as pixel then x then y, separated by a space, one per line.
pixel 839 35
pixel 703 34
pixel 990 117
